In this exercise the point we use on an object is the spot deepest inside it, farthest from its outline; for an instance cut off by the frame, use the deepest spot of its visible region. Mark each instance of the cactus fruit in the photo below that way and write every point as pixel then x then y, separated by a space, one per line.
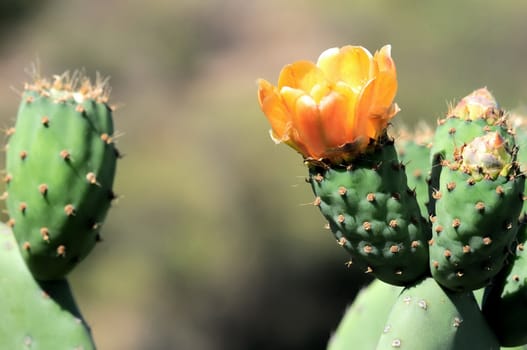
pixel 374 214
pixel 61 162
pixel 33 318
pixel 426 316
pixel 364 320
pixel 477 205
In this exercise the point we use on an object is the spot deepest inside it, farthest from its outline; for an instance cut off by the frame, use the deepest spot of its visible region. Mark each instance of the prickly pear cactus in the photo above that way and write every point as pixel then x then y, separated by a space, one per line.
pixel 32 317
pixel 364 321
pixel 477 205
pixel 374 214
pixel 427 316
pixel 61 162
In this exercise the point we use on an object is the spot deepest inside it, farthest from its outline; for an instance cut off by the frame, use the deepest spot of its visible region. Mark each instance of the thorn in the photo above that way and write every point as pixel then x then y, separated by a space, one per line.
pixel 447 253
pixel 516 278
pixel 368 270
pixel 22 207
pixel 471 181
pixel 348 263
pixel 318 178
pixel 500 191
pixel 342 241
pixel 10 222
pixel 61 251
pixel 415 244
pixel 460 273
pixel 393 223
pixel 439 229
pixel 394 249
pixel 317 202
pixel 431 242
pixel 91 178
pixel 26 246
pixel 69 209
pixel 342 191
pixel 435 264
pixel 45 121
pixel 367 249
pixel 480 206
pixel 43 189
pixel 44 232
pixel 450 186
pixel 23 155
pixel 8 178
pixel 80 108
pixel 10 131
pixel 340 219
pixel 370 197
pixel 456 223
pixel 487 240
pixel 366 225
pixel 29 99
pixel 466 249
pixel 64 154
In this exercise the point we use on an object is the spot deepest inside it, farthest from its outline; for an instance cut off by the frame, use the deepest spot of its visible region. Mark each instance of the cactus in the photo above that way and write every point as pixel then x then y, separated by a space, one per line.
pixel 438 217
pixel 426 316
pixel 34 317
pixel 60 168
pixel 364 320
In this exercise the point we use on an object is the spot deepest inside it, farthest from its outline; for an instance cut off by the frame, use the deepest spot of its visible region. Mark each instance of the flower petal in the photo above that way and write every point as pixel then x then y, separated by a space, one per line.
pixel 306 121
pixel 274 109
pixel 350 64
pixel 302 75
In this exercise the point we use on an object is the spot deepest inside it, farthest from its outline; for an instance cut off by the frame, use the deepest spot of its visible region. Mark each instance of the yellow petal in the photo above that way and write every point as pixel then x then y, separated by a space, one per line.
pixel 306 122
pixel 351 64
pixel 274 109
pixel 302 75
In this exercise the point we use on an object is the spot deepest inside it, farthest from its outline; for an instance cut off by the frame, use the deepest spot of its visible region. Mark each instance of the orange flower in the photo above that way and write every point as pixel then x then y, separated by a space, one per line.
pixel 332 109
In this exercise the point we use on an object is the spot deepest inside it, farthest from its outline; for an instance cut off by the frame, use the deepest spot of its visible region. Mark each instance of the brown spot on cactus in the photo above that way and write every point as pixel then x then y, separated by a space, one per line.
pixel 519 247
pixel 487 240
pixel 447 253
pixel 23 155
pixel 369 269
pixel 44 232
pixel 460 273
pixel 69 209
pixel 393 223
pixel 436 195
pixel 45 121
pixel 43 189
pixel 61 251
pixel 342 241
pixel 317 177
pixel 439 229
pixel 367 249
pixel 316 202
pixel 341 219
pixel 417 173
pixel 64 154
pixel 480 206
pixel 370 197
pixel 452 131
pixel 342 191
pixel 500 191
pixel 26 246
pixel 8 178
pixel 466 249
pixel 10 131
pixel 450 186
pixel 471 181
pixel 435 264
pixel 79 108
pixel 366 225
pixel 431 242
pixel 415 244
pixel 516 278
pixel 22 207
pixel 29 99
pixel 394 249
pixel 432 218
pixel 456 223
pixel 11 222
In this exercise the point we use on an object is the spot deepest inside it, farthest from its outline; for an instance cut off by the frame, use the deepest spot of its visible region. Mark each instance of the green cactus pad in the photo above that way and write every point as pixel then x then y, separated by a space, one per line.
pixel 505 301
pixel 475 226
pixel 426 316
pixel 364 320
pixel 31 317
pixel 416 159
pixel 374 215
pixel 61 163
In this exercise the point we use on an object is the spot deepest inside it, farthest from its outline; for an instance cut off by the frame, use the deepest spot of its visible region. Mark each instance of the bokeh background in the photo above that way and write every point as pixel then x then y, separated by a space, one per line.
pixel 213 243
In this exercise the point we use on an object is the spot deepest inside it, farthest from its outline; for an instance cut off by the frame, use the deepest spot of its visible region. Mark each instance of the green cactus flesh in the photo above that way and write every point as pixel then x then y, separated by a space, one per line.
pixel 60 169
pixel 415 157
pixel 374 215
pixel 475 226
pixel 364 320
pixel 31 317
pixel 426 316
pixel 505 301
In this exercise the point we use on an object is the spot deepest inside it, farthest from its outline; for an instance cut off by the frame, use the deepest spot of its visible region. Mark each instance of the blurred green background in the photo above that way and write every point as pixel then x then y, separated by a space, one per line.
pixel 213 243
